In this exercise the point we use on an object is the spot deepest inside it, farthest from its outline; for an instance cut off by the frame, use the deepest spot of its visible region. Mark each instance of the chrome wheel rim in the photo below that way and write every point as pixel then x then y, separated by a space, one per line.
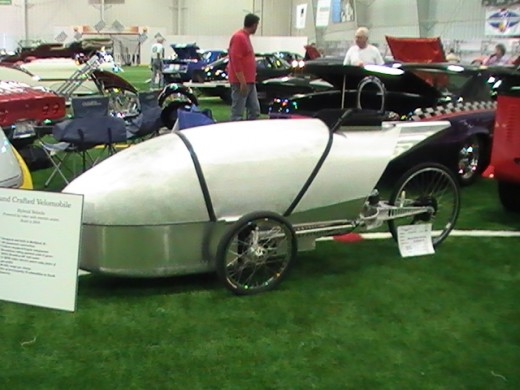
pixel 469 157
pixel 258 254
pixel 434 188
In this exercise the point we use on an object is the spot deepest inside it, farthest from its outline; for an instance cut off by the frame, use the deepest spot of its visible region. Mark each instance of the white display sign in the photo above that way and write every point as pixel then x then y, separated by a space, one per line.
pixel 39 247
pixel 301 16
pixel 415 240
pixel 323 13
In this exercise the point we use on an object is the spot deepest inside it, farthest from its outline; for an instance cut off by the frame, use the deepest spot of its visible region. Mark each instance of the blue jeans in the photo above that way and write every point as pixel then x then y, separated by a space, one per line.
pixel 240 103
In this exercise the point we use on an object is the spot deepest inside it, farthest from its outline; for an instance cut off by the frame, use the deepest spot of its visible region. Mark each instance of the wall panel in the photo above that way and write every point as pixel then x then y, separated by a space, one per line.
pixel 11 24
pixel 457 19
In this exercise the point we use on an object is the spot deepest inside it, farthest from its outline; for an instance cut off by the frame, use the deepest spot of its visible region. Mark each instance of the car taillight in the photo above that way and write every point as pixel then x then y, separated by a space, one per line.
pixel 3 116
pixel 45 109
pixel 55 108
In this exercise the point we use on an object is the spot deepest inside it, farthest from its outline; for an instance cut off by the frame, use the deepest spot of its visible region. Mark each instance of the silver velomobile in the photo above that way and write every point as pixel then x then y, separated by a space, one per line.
pixel 242 198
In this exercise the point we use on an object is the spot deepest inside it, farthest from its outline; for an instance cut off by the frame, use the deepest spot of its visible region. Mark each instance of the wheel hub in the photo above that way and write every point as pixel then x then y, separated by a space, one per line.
pixel 426 201
pixel 258 252
pixel 468 160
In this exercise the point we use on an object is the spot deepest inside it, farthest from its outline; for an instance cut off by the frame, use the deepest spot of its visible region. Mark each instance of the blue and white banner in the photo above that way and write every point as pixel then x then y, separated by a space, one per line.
pixel 502 21
pixel 343 11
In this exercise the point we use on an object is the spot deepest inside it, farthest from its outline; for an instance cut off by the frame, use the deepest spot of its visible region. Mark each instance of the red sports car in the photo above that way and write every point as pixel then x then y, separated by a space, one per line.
pixel 505 154
pixel 23 109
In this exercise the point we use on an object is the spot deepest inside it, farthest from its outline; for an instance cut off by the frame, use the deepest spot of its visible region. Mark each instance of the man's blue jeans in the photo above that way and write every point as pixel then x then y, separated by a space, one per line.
pixel 241 103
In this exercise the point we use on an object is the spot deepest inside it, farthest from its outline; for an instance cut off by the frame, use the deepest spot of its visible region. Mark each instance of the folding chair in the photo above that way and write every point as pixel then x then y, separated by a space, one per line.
pixel 91 126
pixel 148 122
pixel 192 117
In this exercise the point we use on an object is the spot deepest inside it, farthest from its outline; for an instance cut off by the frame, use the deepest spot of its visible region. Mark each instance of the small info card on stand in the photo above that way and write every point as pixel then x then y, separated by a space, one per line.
pixel 39 247
pixel 415 240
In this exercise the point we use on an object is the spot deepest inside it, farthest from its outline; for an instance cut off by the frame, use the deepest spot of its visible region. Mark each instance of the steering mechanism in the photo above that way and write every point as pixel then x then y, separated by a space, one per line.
pixel 379 84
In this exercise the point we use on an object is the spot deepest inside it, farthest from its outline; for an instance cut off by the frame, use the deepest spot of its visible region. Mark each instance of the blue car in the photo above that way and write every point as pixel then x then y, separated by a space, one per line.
pixel 189 58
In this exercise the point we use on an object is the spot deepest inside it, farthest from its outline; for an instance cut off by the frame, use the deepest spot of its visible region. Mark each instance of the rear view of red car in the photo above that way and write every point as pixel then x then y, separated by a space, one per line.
pixel 22 110
pixel 505 155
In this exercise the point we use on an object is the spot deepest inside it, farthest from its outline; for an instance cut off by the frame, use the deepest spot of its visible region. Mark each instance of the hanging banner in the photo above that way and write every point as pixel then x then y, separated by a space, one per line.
pixel 502 21
pixel 6 2
pixel 301 16
pixel 323 13
pixel 342 11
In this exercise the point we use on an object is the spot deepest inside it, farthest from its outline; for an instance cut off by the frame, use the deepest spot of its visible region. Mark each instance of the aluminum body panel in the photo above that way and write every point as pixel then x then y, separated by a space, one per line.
pixel 151 183
pixel 167 250
pixel 352 168
pixel 258 165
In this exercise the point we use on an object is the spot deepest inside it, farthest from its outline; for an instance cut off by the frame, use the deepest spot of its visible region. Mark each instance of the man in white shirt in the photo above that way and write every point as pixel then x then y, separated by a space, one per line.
pixel 156 58
pixel 362 53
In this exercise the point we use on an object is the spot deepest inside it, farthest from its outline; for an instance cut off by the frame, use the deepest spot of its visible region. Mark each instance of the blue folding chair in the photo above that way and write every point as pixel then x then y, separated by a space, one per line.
pixel 90 127
pixel 192 117
pixel 148 123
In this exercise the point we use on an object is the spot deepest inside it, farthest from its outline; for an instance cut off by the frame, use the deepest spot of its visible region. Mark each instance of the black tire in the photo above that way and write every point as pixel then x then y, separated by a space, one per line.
pixel 428 184
pixel 256 253
pixel 509 194
pixel 470 160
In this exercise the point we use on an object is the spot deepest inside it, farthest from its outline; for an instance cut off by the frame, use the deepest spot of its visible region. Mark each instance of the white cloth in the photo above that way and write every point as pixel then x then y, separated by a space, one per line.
pixel 370 55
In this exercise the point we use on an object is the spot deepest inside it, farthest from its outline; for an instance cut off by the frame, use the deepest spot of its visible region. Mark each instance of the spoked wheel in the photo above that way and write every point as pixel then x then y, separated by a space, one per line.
pixel 470 156
pixel 428 185
pixel 256 253
pixel 122 102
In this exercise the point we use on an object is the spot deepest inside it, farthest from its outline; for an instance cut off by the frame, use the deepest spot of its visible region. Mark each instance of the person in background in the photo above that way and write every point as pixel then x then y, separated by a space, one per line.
pixel 362 53
pixel 242 71
pixel 452 57
pixel 311 52
pixel 156 63
pixel 498 57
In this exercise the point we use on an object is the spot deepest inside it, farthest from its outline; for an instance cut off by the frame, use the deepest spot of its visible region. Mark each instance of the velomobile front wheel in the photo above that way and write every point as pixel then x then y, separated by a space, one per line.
pixel 431 185
pixel 256 253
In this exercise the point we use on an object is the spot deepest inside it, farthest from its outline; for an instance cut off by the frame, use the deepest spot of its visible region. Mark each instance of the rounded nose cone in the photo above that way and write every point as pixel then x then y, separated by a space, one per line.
pixel 152 183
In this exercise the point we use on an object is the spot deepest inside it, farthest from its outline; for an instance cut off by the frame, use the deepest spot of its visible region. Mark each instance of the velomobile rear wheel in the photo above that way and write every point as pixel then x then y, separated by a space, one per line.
pixel 256 253
pixel 432 185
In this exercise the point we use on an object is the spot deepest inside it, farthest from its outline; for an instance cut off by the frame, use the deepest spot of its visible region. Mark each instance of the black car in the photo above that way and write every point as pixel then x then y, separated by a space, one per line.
pixel 189 58
pixel 463 95
pixel 275 78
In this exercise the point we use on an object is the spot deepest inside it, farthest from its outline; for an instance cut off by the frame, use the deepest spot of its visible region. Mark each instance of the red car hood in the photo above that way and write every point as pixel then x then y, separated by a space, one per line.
pixel 21 102
pixel 417 50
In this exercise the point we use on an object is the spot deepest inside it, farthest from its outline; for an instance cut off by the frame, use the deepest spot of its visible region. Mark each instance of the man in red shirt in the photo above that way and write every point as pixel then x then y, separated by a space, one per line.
pixel 242 71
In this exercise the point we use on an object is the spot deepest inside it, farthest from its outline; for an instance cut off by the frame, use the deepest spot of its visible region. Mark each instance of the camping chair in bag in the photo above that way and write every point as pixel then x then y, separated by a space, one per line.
pixel 148 122
pixel 90 127
pixel 192 117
